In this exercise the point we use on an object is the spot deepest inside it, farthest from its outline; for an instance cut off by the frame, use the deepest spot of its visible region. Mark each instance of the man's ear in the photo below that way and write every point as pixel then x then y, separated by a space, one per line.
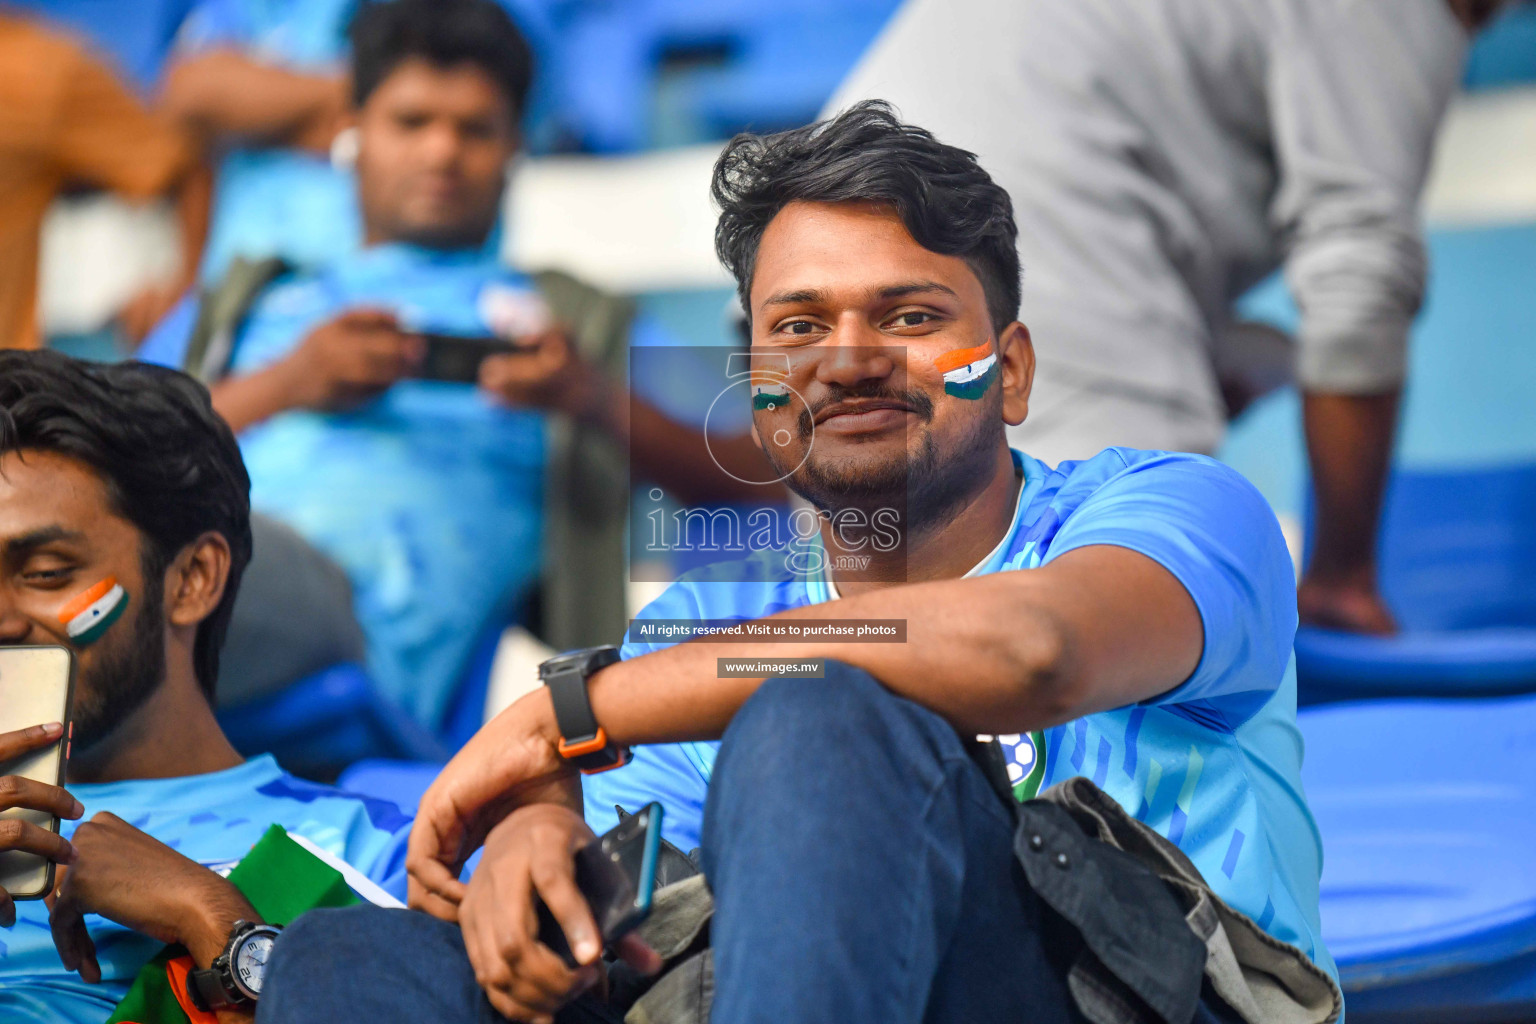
pixel 1016 356
pixel 195 580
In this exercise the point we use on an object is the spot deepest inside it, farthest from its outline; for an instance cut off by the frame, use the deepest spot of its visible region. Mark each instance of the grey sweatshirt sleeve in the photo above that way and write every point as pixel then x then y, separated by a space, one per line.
pixel 1357 91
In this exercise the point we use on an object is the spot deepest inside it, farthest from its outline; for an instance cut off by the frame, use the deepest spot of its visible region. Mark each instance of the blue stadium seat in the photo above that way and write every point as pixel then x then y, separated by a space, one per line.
pixel 334 718
pixel 1458 552
pixel 1427 810
pixel 779 62
pixel 1504 54
pixel 782 74
pixel 133 37
pixel 327 721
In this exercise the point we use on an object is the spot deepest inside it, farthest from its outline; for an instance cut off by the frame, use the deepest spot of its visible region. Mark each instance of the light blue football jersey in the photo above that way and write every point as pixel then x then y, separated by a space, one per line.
pixel 1214 764
pixel 214 819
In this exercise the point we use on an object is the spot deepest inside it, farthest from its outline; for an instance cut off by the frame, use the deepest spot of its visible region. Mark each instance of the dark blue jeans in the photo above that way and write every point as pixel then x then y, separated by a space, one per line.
pixel 862 867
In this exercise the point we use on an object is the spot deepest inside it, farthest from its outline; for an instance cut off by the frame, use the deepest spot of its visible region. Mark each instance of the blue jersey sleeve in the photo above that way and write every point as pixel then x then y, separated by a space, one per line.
pixel 388 867
pixel 1210 528
pixel 662 772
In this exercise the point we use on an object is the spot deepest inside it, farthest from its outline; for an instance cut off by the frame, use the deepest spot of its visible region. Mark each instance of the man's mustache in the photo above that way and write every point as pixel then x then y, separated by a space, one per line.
pixel 917 401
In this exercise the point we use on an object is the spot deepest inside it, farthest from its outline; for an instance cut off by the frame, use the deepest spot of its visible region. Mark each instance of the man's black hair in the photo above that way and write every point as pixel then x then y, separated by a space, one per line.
pixel 947 202
pixel 169 462
pixel 444 33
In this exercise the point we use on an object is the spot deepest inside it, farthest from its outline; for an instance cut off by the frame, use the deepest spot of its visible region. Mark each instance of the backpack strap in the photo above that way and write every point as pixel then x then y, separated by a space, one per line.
pixel 221 310
pixel 583 599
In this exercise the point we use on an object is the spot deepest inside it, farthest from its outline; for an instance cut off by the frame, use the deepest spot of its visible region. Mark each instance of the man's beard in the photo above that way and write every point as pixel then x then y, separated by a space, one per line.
pixel 924 487
pixel 125 674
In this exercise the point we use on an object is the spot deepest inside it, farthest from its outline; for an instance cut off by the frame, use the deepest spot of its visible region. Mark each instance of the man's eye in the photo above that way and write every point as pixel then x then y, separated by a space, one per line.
pixel 912 319
pixel 799 327
pixel 47 575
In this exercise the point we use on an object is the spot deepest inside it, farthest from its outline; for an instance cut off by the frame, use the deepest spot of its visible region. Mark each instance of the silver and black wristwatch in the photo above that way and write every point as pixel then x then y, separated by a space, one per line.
pixel 235 976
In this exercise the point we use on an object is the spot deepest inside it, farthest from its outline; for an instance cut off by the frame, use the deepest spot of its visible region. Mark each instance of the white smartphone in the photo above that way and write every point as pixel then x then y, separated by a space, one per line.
pixel 37 685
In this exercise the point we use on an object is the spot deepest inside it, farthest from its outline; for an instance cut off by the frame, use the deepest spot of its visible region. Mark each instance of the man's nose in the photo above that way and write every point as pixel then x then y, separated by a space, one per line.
pixel 15 628
pixel 443 146
pixel 855 353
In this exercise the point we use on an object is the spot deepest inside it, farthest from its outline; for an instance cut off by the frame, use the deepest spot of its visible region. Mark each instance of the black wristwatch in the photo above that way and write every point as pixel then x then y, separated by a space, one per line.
pixel 235 977
pixel 582 741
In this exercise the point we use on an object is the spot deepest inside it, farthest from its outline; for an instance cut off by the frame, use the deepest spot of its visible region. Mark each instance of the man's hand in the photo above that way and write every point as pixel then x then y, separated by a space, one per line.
pixel 547 374
pixel 350 359
pixel 16 791
pixel 511 762
pixel 532 854
pixel 134 879
pixel 340 364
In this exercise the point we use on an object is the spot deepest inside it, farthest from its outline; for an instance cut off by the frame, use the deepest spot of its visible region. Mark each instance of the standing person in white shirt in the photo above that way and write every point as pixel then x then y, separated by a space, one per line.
pixel 1165 156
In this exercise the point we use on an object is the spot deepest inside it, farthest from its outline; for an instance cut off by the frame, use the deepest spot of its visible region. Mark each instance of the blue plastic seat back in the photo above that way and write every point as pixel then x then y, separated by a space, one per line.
pixel 1458 548
pixel 1427 809
pixel 324 722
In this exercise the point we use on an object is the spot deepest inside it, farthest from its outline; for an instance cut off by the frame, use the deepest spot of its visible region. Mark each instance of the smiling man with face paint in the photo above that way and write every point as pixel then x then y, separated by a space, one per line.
pixel 124 528
pixel 1127 620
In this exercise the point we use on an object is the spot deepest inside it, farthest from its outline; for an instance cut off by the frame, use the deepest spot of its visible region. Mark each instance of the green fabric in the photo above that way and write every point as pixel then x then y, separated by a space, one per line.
pixel 281 879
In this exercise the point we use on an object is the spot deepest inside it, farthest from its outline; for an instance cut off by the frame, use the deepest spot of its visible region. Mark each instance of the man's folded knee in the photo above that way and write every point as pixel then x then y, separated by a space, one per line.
pixel 318 932
pixel 847 708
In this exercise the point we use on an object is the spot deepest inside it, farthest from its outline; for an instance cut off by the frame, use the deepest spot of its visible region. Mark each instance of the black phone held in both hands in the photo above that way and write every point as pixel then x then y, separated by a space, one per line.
pixel 36 687
pixel 616 873
pixel 457 358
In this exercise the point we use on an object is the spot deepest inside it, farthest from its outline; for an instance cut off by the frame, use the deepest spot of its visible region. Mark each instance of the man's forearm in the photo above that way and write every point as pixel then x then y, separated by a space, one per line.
pixel 1349 446
pixel 1099 628
pixel 223 94
pixel 247 400
pixel 194 199
pixel 1003 684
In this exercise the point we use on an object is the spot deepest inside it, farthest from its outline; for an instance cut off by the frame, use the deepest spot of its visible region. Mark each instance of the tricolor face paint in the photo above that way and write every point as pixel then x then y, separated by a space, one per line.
pixel 968 372
pixel 88 615
pixel 770 396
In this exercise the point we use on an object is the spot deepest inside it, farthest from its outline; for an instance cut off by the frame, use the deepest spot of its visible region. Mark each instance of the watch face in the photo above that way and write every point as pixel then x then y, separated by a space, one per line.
pixel 250 962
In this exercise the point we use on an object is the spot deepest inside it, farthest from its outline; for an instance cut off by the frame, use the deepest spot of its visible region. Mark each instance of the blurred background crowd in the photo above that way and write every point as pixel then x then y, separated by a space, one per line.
pixel 232 187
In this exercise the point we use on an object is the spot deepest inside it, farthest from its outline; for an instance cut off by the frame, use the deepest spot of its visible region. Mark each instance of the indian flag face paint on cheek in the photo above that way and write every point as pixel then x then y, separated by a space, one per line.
pixel 968 372
pixel 89 614
pixel 769 395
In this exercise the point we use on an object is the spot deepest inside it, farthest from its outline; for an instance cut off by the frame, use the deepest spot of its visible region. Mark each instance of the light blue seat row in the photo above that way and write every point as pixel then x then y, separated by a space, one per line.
pixel 1427 810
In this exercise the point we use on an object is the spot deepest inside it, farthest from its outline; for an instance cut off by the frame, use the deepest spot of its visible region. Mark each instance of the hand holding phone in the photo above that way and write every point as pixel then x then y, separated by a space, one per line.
pixel 457 358
pixel 597 890
pixel 35 687
pixel 616 874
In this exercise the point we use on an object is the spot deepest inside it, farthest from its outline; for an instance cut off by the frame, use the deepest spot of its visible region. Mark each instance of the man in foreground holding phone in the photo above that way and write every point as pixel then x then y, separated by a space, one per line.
pixel 863 865
pixel 125 474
